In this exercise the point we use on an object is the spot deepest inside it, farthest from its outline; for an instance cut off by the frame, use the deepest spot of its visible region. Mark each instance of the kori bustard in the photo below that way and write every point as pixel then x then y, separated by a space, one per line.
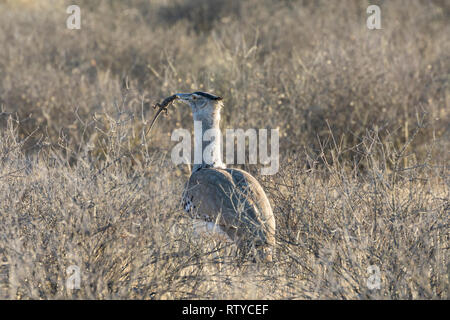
pixel 230 201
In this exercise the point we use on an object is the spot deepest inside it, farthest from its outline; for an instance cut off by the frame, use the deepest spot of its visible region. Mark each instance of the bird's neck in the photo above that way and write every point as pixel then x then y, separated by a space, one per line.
pixel 207 134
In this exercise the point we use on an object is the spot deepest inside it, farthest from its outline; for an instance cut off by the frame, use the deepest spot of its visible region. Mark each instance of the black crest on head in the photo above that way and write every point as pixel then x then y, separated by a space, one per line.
pixel 208 95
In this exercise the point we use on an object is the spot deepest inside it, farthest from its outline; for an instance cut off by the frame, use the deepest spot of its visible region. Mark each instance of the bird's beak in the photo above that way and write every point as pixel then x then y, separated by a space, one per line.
pixel 185 97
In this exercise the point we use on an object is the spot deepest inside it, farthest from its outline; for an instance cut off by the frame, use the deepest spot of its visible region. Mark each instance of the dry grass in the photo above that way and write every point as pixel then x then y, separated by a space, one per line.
pixel 364 124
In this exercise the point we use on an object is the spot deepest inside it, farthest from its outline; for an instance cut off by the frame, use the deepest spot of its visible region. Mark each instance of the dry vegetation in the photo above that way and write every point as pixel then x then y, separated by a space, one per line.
pixel 364 122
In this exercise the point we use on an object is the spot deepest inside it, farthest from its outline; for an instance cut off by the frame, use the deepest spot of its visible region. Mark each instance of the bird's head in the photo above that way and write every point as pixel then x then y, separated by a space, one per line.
pixel 204 105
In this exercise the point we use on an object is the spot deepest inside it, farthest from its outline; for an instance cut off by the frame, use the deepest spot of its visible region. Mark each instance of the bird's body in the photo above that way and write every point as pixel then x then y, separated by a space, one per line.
pixel 231 202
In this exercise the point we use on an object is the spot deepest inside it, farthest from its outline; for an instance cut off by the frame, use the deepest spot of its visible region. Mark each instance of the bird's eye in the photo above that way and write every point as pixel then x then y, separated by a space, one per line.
pixel 194 97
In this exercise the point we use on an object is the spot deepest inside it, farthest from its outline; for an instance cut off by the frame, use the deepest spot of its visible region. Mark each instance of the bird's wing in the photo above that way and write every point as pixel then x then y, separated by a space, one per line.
pixel 234 200
pixel 256 195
